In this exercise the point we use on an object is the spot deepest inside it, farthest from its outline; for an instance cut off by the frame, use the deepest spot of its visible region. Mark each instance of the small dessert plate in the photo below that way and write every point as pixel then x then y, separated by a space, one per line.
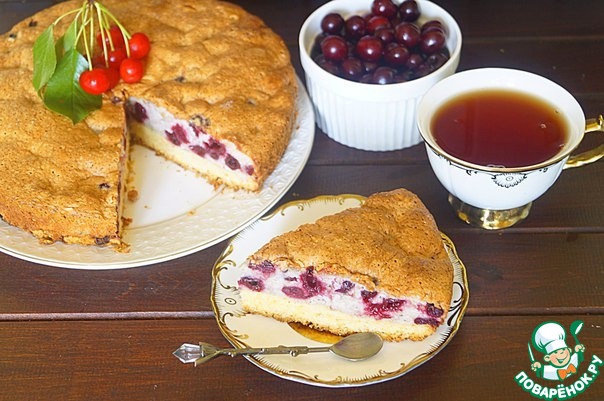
pixel 247 330
pixel 177 212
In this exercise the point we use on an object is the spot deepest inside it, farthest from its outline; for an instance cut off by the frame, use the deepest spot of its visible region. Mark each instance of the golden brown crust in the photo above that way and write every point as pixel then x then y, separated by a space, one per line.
pixel 46 190
pixel 208 57
pixel 390 243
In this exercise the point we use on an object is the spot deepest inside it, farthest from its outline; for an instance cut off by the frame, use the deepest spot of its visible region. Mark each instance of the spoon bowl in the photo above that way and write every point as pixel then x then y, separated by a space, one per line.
pixel 358 346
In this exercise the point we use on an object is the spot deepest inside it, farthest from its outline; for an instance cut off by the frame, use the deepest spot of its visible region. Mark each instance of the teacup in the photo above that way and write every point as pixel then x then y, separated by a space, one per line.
pixel 489 195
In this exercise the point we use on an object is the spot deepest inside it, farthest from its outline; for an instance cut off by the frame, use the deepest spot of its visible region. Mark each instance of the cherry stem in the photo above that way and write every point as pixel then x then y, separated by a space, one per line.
pixel 85 32
pixel 106 15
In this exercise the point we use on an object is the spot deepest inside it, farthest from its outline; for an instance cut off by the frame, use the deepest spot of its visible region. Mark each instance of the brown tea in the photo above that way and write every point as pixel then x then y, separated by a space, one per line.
pixel 499 128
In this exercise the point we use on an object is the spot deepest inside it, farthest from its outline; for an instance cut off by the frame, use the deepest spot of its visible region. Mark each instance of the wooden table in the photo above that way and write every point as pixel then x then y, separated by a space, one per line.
pixel 100 335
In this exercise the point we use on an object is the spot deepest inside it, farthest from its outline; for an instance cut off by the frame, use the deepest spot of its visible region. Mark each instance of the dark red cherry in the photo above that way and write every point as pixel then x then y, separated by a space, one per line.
pixel 383 75
pixel 407 33
pixel 329 66
pixel 369 48
pixel 432 41
pixel 332 24
pixel 334 48
pixel 385 8
pixel 409 10
pixel 376 22
pixel 396 55
pixel 355 27
pixel 433 25
pixel 414 61
pixel 352 68
pixel 436 60
pixel 370 66
pixel 386 35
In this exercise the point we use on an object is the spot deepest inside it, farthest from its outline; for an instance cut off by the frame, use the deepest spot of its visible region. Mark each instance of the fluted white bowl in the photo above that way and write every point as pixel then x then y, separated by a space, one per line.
pixel 370 116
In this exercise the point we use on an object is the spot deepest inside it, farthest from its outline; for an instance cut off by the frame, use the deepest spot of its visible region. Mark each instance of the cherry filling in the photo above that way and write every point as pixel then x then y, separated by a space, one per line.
pixel 198 150
pixel 137 111
pixel 232 163
pixel 346 287
pixel 311 283
pixel 311 286
pixel 381 310
pixel 265 267
pixel 252 283
pixel 177 135
pixel 434 311
pixel 431 321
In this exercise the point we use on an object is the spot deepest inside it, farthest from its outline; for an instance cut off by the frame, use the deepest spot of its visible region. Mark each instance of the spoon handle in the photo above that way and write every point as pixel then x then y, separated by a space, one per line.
pixel 204 352
pixel 281 349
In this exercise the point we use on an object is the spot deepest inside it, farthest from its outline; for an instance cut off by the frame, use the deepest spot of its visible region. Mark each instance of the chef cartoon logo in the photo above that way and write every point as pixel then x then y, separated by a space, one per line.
pixel 557 359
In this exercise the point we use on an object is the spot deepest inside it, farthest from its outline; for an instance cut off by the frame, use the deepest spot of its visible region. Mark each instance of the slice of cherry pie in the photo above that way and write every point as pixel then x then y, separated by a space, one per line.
pixel 381 267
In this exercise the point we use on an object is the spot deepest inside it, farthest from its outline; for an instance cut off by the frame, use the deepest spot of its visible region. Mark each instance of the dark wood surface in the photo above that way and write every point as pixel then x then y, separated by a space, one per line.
pixel 108 335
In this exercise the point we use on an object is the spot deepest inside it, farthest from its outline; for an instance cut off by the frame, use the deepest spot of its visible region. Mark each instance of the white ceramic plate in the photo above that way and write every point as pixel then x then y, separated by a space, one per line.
pixel 248 330
pixel 177 212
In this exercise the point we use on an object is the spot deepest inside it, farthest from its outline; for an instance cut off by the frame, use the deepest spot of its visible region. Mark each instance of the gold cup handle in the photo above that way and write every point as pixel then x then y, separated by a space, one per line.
pixel 589 156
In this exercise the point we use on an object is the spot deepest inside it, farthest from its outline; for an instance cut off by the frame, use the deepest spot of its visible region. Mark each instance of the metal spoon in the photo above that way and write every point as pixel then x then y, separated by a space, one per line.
pixel 354 347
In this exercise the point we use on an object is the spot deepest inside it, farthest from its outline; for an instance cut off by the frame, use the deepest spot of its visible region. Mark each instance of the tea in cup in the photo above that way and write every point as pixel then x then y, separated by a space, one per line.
pixel 498 138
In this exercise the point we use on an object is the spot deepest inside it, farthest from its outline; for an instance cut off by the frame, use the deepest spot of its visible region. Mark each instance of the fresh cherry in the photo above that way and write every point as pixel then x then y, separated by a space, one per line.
pixel 352 68
pixel 355 27
pixel 334 48
pixel 385 8
pixel 114 76
pixel 113 38
pixel 433 25
pixel 369 48
pixel 396 55
pixel 432 41
pixel 414 61
pixel 332 24
pixel 384 75
pixel 95 81
pixel 132 70
pixel 139 45
pixel 407 33
pixel 386 35
pixel 376 22
pixel 115 57
pixel 409 10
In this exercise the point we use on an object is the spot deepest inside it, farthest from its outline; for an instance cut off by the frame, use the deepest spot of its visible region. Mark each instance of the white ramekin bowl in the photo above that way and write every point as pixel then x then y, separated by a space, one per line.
pixel 370 116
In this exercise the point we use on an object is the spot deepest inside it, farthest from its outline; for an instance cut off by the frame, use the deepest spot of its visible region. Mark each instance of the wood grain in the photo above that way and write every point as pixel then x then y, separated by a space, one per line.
pixel 108 335
pixel 101 360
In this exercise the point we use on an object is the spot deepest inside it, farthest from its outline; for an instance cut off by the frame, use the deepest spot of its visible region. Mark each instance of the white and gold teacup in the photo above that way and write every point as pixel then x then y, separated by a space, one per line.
pixel 495 197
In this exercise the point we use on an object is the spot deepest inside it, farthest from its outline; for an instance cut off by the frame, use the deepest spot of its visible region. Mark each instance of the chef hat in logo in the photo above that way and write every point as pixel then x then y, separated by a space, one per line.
pixel 549 337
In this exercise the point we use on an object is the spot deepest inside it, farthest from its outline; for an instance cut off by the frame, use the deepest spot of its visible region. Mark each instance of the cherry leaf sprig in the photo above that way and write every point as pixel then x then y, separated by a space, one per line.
pixel 59 63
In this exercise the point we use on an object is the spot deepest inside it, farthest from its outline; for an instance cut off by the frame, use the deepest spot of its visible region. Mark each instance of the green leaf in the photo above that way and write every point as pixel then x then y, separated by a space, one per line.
pixel 63 92
pixel 68 40
pixel 45 58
